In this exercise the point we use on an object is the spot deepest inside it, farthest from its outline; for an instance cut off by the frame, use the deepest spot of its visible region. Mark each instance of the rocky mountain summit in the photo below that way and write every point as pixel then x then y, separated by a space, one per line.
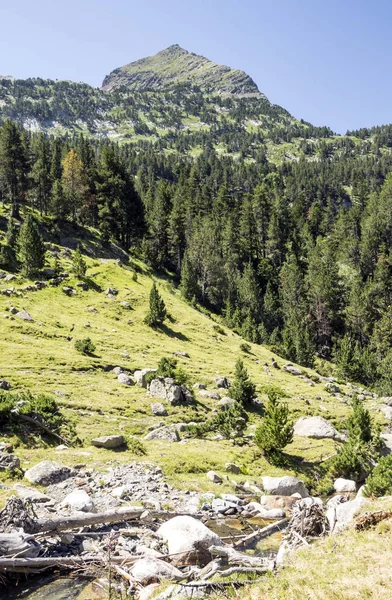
pixel 174 66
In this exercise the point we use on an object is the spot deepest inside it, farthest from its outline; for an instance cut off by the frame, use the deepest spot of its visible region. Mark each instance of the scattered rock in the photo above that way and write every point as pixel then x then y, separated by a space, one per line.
pixel 344 485
pixel 109 441
pixel 226 402
pixel 111 291
pixel 316 427
pixel 9 462
pixel 79 500
pixel 284 486
pixel 167 389
pixel 332 388
pixel 140 376
pixel 199 386
pixel 118 370
pixel 292 370
pixel 278 502
pixel 257 510
pixel 47 473
pixel 188 540
pixel 223 382
pixel 386 411
pixel 214 477
pixel 69 291
pixel 5 385
pixel 207 394
pixel 28 493
pixel 148 570
pixel 167 434
pixel 24 315
pixel 233 468
pixel 159 410
pixel 125 379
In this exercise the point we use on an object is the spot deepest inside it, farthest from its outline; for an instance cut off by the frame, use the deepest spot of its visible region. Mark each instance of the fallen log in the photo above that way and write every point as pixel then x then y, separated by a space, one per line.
pixel 232 557
pixel 40 425
pixel 253 538
pixel 27 564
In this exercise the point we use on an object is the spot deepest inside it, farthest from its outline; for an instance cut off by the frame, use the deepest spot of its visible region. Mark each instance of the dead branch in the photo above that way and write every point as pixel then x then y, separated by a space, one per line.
pixel 233 557
pixel 248 570
pixel 369 519
pixel 26 564
pixel 253 538
pixel 42 426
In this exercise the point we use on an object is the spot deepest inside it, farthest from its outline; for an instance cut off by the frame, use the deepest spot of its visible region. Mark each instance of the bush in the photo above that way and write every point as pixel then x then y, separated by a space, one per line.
pixel 379 482
pixel 230 423
pixel 242 390
pixel 79 265
pixel 244 347
pixel 136 446
pixel 276 428
pixel 85 346
pixel 167 367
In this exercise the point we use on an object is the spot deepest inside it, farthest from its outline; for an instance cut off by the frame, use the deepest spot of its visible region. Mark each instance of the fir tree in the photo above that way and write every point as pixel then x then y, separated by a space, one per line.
pixel 31 248
pixel 242 390
pixel 276 428
pixel 157 312
pixel 188 285
pixel 79 265
pixel 8 258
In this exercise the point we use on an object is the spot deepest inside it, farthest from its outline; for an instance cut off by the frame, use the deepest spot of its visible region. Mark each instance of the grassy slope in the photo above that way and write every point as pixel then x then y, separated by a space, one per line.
pixel 40 356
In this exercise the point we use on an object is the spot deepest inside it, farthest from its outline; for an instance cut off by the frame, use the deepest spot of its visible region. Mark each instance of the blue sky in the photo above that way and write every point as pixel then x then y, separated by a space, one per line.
pixel 326 61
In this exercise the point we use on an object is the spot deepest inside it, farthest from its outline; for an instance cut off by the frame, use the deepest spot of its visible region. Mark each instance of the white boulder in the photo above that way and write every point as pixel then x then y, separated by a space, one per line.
pixel 188 540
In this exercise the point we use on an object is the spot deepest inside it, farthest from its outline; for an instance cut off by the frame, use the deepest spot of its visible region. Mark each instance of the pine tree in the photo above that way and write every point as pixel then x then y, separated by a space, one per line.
pixel 8 258
pixel 31 248
pixel 40 175
pixel 74 183
pixel 79 265
pixel 58 203
pixel 188 285
pixel 157 312
pixel 276 428
pixel 242 390
pixel 13 164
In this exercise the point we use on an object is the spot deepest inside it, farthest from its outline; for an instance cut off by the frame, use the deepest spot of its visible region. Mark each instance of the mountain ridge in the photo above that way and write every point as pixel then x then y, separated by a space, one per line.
pixel 175 65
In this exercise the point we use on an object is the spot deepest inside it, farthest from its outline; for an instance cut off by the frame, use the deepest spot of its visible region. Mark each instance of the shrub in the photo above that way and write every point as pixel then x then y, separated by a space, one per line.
pixel 230 423
pixel 136 446
pixel 244 347
pixel 242 390
pixel 276 428
pixel 167 367
pixel 85 346
pixel 379 482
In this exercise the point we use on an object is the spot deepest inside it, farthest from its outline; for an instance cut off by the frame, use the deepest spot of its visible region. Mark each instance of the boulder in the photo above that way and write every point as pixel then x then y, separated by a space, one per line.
pixel 47 473
pixel 9 462
pixel 386 411
pixel 28 493
pixel 199 386
pixel 257 510
pixel 292 370
pixel 166 434
pixel 214 477
pixel 158 409
pixel 332 388
pixel 386 400
pixel 118 370
pixel 233 468
pixel 166 389
pixel 344 485
pixel 111 291
pixel 284 486
pixel 5 385
pixel 148 570
pixel 226 402
pixel 140 376
pixel 207 394
pixel 316 427
pixel 24 315
pixel 109 441
pixel 278 502
pixel 387 441
pixel 340 516
pixel 125 379
pixel 223 382
pixel 79 500
pixel 221 506
pixel 188 540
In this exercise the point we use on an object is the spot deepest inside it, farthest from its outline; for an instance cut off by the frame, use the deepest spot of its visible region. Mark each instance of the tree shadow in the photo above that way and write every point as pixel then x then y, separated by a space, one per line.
pixel 173 334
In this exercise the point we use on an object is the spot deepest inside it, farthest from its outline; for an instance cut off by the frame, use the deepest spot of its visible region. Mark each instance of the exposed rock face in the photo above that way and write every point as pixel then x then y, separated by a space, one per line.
pixel 316 427
pixel 188 540
pixel 284 486
pixel 47 473
pixel 167 434
pixel 167 389
pixel 175 65
pixel 109 441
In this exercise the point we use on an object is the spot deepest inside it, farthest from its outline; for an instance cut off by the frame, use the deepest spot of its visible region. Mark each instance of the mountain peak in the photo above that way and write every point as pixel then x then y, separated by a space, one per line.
pixel 175 65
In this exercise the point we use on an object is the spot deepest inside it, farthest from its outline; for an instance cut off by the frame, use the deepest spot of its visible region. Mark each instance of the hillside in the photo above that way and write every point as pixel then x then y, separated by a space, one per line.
pixel 174 66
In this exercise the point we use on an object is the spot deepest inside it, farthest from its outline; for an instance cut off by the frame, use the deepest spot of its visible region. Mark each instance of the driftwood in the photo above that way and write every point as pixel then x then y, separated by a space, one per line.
pixel 369 519
pixel 253 538
pixel 69 562
pixel 232 557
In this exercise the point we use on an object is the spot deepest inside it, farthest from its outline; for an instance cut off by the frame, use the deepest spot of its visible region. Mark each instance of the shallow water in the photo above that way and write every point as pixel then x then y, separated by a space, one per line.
pixel 46 588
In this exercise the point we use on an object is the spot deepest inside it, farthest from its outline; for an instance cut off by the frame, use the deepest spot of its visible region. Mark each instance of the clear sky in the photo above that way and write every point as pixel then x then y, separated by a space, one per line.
pixel 326 61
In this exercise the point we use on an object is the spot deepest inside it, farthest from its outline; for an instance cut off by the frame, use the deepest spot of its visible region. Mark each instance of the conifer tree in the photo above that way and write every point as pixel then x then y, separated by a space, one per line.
pixel 31 248
pixel 157 312
pixel 276 428
pixel 13 164
pixel 79 265
pixel 242 390
pixel 188 285
pixel 8 250
pixel 58 202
